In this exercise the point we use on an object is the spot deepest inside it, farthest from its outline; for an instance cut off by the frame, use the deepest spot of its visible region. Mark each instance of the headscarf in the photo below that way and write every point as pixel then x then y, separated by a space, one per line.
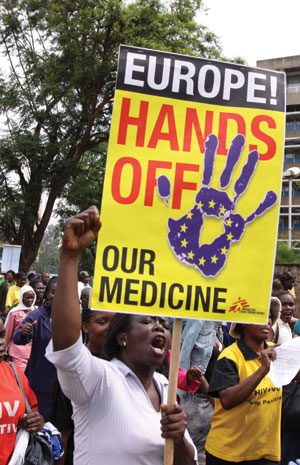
pixel 21 305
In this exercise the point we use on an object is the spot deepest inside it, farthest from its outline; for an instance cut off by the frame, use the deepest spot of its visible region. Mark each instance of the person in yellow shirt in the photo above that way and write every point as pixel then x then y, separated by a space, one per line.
pixel 13 295
pixel 4 287
pixel 245 426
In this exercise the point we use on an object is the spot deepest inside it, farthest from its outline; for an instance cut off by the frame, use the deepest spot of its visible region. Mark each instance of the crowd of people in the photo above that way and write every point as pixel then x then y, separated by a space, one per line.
pixel 101 377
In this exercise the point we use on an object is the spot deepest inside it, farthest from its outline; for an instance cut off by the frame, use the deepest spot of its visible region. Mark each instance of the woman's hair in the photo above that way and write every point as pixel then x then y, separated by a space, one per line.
pixel 35 281
pixel 49 285
pixel 20 275
pixel 276 285
pixel 86 315
pixel 282 293
pixel 83 274
pixel 287 276
pixel 119 323
pixel 12 273
pixel 31 276
pixel 239 328
pixel 85 297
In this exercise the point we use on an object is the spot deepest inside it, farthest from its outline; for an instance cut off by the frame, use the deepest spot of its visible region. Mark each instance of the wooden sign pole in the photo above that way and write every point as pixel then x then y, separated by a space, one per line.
pixel 173 377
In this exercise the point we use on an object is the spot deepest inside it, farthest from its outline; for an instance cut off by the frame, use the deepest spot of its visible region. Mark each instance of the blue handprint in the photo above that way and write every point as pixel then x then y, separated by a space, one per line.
pixel 184 233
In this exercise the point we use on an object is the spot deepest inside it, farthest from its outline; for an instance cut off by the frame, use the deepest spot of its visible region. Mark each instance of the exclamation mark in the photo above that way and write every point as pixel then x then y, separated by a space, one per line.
pixel 273 101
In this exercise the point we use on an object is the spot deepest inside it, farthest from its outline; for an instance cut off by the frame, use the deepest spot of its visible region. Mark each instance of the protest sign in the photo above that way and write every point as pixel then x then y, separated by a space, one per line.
pixel 192 188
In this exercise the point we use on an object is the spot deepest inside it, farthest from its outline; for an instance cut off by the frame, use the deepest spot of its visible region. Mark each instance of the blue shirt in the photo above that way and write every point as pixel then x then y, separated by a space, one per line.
pixel 40 372
pixel 197 343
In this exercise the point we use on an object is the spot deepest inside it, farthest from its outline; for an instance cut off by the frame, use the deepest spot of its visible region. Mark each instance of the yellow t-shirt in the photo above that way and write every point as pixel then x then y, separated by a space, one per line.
pixel 292 292
pixel 251 430
pixel 13 296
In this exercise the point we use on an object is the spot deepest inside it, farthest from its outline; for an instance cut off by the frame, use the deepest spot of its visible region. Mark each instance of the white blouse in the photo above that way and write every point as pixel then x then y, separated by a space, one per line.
pixel 284 331
pixel 115 422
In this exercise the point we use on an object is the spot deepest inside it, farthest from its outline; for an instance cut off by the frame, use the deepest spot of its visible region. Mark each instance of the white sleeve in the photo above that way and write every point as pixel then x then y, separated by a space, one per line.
pixel 79 373
pixel 189 439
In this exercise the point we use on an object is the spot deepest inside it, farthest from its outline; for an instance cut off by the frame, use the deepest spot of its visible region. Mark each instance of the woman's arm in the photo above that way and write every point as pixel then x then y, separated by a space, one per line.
pixel 34 421
pixel 189 380
pixel 173 426
pixel 204 387
pixel 8 302
pixel 235 395
pixel 79 232
pixel 24 334
pixel 184 453
pixel 9 329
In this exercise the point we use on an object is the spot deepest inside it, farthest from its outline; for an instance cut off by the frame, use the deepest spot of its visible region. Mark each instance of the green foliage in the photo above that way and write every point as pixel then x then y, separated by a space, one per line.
pixel 48 257
pixel 286 255
pixel 57 97
pixel 85 190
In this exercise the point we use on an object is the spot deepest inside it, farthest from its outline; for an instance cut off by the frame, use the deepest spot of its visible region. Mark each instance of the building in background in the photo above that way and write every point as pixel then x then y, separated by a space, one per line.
pixel 289 223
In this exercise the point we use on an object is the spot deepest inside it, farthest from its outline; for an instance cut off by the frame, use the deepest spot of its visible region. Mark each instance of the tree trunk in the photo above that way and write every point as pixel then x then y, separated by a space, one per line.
pixel 33 239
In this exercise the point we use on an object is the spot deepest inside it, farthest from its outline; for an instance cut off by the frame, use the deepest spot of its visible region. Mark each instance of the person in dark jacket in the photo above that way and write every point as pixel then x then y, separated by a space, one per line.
pixel 36 327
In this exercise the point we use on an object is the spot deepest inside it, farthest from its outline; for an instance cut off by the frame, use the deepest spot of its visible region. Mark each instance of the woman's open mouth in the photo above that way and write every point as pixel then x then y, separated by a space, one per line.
pixel 158 344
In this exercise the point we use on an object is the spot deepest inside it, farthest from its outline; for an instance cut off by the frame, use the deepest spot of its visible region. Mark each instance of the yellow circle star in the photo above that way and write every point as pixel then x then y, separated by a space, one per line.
pixel 191 255
pixel 229 236
pixel 200 205
pixel 223 251
pixel 222 210
pixel 229 222
pixel 202 261
pixel 189 215
pixel 214 259
pixel 184 243
pixel 183 227
pixel 211 204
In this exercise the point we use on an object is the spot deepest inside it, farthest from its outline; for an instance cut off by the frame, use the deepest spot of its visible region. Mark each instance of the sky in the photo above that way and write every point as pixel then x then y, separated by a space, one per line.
pixel 255 29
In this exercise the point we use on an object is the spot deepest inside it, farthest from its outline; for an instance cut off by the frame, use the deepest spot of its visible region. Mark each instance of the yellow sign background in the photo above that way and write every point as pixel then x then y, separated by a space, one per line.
pixel 246 277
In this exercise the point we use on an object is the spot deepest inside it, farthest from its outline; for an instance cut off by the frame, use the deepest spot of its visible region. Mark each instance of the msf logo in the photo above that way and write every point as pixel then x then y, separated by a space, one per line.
pixel 238 305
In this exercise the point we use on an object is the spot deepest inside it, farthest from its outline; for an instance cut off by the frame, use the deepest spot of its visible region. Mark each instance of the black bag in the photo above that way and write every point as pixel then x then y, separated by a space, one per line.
pixel 38 451
pixel 291 407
